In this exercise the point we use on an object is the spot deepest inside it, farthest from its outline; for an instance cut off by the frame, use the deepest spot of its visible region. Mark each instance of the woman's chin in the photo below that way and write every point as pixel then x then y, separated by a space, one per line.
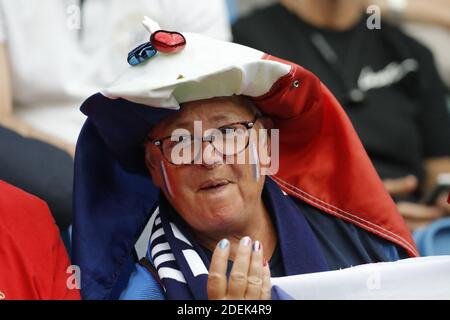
pixel 224 201
pixel 224 217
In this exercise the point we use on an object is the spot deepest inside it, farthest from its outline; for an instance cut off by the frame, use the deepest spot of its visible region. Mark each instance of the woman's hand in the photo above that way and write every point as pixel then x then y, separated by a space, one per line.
pixel 249 277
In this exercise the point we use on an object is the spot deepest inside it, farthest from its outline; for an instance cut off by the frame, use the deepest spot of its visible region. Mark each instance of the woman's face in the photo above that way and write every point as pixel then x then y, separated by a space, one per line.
pixel 215 196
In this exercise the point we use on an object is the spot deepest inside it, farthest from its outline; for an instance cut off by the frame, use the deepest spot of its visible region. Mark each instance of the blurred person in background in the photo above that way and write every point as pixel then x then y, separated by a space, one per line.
pixel 33 261
pixel 427 21
pixel 54 53
pixel 41 169
pixel 386 81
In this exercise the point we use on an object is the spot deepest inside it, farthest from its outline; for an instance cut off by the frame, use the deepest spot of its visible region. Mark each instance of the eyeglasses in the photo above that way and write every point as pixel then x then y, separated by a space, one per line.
pixel 228 140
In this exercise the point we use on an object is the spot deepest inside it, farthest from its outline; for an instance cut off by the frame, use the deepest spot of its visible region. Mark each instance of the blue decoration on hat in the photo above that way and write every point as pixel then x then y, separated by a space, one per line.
pixel 141 53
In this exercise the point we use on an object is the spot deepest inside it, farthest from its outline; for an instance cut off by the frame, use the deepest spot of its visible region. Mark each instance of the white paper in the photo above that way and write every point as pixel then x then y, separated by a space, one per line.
pixel 414 278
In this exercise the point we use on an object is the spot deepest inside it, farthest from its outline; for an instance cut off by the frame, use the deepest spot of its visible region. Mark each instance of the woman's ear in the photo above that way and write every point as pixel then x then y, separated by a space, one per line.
pixel 267 123
pixel 264 143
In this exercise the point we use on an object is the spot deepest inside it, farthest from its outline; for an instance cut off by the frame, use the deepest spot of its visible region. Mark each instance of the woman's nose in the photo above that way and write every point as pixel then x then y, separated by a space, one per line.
pixel 211 157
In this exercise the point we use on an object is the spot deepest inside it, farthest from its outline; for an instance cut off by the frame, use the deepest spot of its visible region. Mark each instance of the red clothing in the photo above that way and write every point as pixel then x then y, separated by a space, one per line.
pixel 33 259
pixel 323 161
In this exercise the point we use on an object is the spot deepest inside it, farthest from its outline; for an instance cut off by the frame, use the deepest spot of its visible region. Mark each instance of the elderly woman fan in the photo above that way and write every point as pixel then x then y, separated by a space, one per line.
pixel 177 147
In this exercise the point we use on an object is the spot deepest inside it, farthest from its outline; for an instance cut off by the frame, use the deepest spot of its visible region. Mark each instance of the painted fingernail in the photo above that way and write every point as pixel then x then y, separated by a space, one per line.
pixel 246 241
pixel 223 243
pixel 256 246
pixel 264 262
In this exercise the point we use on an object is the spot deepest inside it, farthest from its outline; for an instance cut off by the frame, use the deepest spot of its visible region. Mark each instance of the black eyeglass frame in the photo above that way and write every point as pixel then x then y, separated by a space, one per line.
pixel 247 124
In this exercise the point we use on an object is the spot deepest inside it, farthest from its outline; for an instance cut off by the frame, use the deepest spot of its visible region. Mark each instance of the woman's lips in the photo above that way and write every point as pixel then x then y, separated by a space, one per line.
pixel 214 185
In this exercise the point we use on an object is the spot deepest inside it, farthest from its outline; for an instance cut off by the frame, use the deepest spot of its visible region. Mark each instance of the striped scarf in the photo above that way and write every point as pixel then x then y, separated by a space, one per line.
pixel 182 264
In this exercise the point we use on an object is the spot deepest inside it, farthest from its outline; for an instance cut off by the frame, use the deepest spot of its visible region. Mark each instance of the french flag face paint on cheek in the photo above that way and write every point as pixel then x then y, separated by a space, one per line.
pixel 254 160
pixel 165 179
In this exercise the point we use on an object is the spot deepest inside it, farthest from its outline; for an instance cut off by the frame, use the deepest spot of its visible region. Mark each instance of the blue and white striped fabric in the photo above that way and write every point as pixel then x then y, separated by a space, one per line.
pixel 182 265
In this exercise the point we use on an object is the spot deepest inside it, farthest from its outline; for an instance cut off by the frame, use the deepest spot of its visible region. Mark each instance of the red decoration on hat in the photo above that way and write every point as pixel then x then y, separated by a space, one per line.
pixel 168 41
